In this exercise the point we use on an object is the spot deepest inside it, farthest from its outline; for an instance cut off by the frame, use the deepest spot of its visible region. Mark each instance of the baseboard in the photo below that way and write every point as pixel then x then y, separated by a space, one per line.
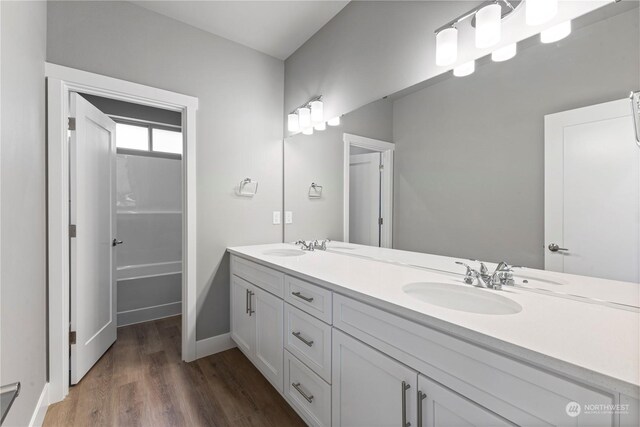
pixel 213 345
pixel 146 314
pixel 41 408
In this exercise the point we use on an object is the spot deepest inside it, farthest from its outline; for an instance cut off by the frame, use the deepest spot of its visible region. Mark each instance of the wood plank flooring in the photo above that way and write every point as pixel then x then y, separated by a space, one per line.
pixel 141 381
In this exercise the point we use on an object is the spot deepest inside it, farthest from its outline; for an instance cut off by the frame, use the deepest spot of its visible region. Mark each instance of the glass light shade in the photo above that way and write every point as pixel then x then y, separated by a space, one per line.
pixel 464 69
pixel 504 53
pixel 304 118
pixel 320 126
pixel 488 27
pixel 317 112
pixel 292 123
pixel 308 131
pixel 447 46
pixel 539 12
pixel 334 121
pixel 555 33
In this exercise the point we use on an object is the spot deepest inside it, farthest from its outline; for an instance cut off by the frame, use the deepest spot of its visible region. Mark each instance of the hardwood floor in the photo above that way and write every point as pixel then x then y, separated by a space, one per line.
pixel 141 381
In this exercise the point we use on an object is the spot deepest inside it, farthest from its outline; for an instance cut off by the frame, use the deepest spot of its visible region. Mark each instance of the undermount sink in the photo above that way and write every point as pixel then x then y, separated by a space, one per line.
pixel 284 252
pixel 462 298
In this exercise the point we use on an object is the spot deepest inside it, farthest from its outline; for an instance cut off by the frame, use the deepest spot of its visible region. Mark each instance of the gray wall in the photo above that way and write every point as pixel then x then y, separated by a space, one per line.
pixel 22 226
pixel 319 158
pixel 469 151
pixel 239 121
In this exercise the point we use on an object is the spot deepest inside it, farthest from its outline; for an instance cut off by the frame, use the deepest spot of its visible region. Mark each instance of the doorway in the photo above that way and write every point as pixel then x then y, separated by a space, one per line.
pixel 368 191
pixel 62 83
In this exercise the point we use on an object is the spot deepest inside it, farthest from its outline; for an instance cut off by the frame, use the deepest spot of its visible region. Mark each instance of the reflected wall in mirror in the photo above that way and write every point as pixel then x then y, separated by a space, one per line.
pixel 476 158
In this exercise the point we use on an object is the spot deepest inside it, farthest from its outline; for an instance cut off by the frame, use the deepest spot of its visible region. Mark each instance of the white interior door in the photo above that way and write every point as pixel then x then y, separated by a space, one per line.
pixel 92 166
pixel 364 199
pixel 592 192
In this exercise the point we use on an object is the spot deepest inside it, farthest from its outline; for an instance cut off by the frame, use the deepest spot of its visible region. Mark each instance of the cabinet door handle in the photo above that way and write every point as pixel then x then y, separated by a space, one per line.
pixel 305 395
pixel 246 301
pixel 299 295
pixel 405 387
pixel 251 310
pixel 421 397
pixel 297 335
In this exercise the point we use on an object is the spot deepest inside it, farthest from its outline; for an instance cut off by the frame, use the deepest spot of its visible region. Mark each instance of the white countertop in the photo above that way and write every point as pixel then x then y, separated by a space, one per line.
pixel 593 343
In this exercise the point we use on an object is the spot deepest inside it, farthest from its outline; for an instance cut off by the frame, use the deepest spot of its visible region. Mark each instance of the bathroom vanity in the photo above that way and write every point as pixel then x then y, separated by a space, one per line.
pixel 352 340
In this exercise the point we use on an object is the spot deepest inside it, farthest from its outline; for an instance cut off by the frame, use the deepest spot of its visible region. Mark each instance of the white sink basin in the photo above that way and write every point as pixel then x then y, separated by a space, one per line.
pixel 461 298
pixel 284 252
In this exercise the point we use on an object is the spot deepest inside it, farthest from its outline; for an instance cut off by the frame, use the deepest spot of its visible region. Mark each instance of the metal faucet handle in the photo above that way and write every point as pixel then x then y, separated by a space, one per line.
pixel 470 275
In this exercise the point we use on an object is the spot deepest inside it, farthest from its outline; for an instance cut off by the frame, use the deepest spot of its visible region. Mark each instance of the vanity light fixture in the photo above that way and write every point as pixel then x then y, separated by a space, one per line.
pixel 304 117
pixel 504 53
pixel 320 126
pixel 446 46
pixel 293 125
pixel 556 33
pixel 488 26
pixel 317 111
pixel 334 121
pixel 465 69
pixel 539 12
pixel 308 131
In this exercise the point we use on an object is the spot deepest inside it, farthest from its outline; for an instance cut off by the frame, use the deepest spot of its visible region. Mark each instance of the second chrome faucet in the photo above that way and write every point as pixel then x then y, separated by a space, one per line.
pixel 502 275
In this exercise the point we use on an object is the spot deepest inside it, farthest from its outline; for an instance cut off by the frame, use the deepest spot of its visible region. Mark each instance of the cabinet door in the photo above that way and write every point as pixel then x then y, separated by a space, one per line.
pixel 368 387
pixel 243 324
pixel 442 407
pixel 269 318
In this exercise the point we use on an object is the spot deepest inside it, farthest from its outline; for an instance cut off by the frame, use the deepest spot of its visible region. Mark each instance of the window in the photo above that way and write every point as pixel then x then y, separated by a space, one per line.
pixel 148 137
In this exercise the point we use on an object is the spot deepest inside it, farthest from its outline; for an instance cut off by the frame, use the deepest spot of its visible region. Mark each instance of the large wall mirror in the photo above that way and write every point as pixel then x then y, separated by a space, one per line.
pixel 531 161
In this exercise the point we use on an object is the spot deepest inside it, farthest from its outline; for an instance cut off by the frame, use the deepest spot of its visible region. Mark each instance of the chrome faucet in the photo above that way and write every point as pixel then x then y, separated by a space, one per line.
pixel 321 245
pixel 305 246
pixel 502 276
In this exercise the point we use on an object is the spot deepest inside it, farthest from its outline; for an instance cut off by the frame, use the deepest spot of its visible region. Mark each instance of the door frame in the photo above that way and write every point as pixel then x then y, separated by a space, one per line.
pixel 61 81
pixel 386 150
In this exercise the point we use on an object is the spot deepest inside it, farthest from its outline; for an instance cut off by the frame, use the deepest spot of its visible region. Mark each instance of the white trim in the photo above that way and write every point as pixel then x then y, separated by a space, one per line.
pixel 60 82
pixel 146 314
pixel 37 418
pixel 386 149
pixel 140 271
pixel 213 345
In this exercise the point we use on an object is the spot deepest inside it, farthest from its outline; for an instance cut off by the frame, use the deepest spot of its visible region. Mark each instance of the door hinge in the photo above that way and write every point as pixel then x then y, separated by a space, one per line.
pixel 72 337
pixel 380 221
pixel 72 123
pixel 72 230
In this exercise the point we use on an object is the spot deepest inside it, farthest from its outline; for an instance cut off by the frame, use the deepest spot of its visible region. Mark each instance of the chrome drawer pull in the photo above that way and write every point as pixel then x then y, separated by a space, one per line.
pixel 299 295
pixel 251 310
pixel 307 342
pixel 405 387
pixel 246 300
pixel 305 395
pixel 421 397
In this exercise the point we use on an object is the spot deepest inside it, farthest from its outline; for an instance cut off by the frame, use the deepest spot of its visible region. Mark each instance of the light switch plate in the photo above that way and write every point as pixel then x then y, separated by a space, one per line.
pixel 276 217
pixel 288 217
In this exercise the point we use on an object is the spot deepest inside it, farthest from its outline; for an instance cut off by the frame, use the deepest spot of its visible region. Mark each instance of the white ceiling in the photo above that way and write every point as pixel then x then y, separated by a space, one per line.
pixel 276 28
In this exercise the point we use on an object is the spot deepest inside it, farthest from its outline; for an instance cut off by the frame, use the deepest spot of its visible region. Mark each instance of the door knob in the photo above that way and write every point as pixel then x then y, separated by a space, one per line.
pixel 553 247
pixel 116 242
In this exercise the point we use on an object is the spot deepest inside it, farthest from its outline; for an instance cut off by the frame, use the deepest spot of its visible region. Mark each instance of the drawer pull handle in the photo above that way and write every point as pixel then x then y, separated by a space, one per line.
pixel 421 397
pixel 299 295
pixel 305 395
pixel 405 387
pixel 297 335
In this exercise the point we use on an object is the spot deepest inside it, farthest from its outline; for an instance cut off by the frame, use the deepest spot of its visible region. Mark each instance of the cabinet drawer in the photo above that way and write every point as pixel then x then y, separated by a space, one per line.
pixel 264 277
pixel 306 392
pixel 517 391
pixel 309 340
pixel 309 298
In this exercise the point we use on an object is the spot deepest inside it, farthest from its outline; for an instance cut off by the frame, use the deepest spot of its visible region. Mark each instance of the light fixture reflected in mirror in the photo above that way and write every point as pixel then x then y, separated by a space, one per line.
pixel 292 123
pixel 488 27
pixel 539 12
pixel 556 33
pixel 504 53
pixel 447 46
pixel 320 126
pixel 304 117
pixel 465 69
pixel 307 131
pixel 317 111
pixel 334 121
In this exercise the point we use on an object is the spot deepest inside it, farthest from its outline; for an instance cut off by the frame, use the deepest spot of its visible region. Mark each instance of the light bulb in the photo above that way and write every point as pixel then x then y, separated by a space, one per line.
pixel 320 126
pixel 334 121
pixel 292 123
pixel 317 113
pixel 504 53
pixel 539 12
pixel 488 27
pixel 308 131
pixel 555 33
pixel 304 117
pixel 447 46
pixel 464 69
